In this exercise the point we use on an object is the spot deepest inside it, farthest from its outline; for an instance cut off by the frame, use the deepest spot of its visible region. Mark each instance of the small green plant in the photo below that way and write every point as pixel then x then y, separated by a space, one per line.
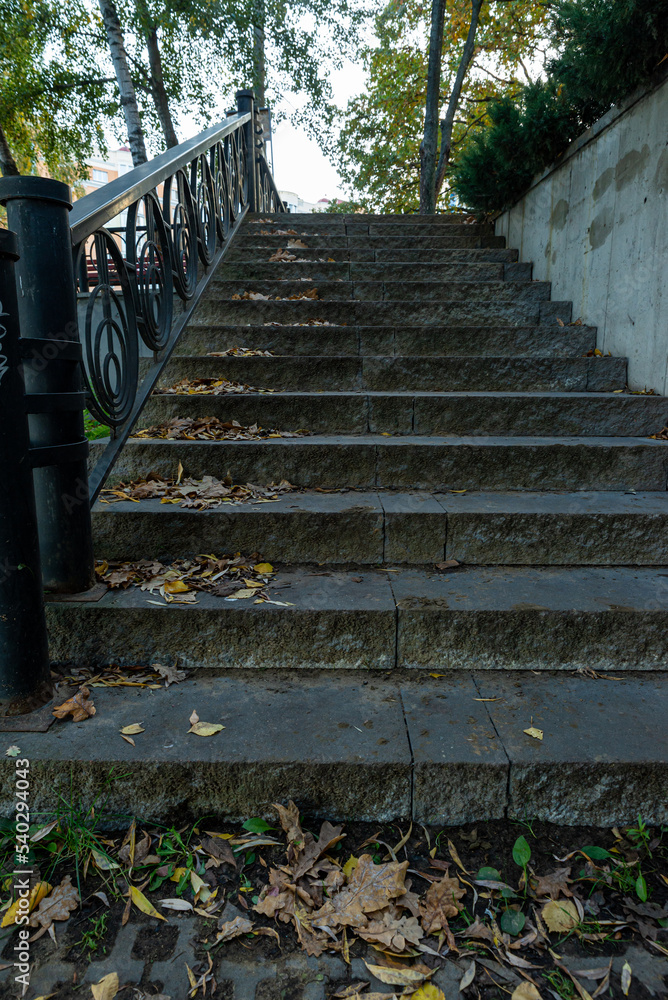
pixel 257 825
pixel 93 938
pixel 640 835
pixel 560 984
pixel 93 428
pixel 522 857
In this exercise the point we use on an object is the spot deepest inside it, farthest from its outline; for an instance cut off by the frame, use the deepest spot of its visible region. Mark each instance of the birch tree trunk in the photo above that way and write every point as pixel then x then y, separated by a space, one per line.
pixel 7 161
pixel 126 88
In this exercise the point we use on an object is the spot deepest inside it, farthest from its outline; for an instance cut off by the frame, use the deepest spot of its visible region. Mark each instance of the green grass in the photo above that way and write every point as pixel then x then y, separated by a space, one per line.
pixel 93 428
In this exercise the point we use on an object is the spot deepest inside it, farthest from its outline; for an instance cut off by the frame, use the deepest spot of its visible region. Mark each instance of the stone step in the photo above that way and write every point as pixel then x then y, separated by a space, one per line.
pixel 479 618
pixel 406 374
pixel 525 414
pixel 380 749
pixel 371 255
pixel 410 462
pixel 325 227
pixel 476 528
pixel 472 341
pixel 366 312
pixel 288 220
pixel 388 271
pixel 375 241
pixel 516 292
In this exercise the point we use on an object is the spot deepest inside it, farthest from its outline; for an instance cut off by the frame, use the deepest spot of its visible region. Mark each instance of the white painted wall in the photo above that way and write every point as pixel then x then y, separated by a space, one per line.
pixel 596 226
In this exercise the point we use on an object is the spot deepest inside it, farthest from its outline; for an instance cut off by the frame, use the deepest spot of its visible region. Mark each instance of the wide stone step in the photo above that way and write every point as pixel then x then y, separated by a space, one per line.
pixel 325 227
pixel 516 292
pixel 389 271
pixel 485 413
pixel 370 255
pixel 475 341
pixel 410 462
pixel 379 749
pixel 406 374
pixel 485 618
pixel 476 528
pixel 358 312
pixel 375 241
pixel 288 220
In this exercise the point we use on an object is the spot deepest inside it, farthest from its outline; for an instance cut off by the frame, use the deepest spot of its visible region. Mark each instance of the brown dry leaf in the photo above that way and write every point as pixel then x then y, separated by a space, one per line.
pixel 447 566
pixel 107 988
pixel 213 429
pixel 441 902
pixel 525 991
pixel 297 243
pixel 392 932
pixel 350 991
pixel 552 885
pixel 80 706
pixel 370 887
pixel 219 849
pixel 170 674
pixel 233 928
pixel 560 915
pixel 57 906
pixel 328 837
pixel 289 820
pixel 479 931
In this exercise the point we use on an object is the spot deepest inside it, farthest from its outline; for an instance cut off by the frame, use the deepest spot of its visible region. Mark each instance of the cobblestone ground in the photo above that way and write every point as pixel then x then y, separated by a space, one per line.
pixel 152 962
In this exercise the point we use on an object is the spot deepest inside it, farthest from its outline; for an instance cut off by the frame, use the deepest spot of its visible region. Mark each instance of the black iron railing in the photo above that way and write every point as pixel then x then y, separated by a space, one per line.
pixel 114 282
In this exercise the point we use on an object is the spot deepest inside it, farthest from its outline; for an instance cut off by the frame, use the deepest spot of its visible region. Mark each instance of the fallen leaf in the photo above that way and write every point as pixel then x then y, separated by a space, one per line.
pixel 12 751
pixel 448 565
pixel 107 988
pixel 441 902
pixel 175 904
pixel 80 706
pixel 396 977
pixel 170 674
pixel 532 731
pixel 263 568
pixel 626 978
pixel 43 831
pixel 560 915
pixel 205 728
pixel 467 978
pixel 57 906
pixel 233 928
pixel 552 885
pixel 219 849
pixel 369 888
pixel 429 992
pixel 128 739
pixel 143 904
pixel 37 894
pixel 350 991
pixel 132 730
pixel 525 991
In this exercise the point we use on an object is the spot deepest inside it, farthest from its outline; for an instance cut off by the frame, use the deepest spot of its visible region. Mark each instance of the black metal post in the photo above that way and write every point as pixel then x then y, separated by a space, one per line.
pixel 246 102
pixel 24 658
pixel 38 211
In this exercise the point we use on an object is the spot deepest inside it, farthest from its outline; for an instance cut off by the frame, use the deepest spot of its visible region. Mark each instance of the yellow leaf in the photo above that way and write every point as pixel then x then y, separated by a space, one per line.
pixel 254 583
pixel 350 866
pixel 132 730
pixel 142 903
pixel 191 977
pixel 37 894
pixel 428 992
pixel 455 856
pixel 107 988
pixel 396 977
pixel 626 978
pixel 205 728
pixel 240 595
pixel 436 676
pixel 178 874
pixel 263 568
pixel 176 587
pixel 532 731
pixel 525 991
pixel 560 915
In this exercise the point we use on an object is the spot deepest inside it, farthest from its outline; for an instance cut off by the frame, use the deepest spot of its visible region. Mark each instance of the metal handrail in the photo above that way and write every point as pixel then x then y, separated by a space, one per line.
pixel 99 207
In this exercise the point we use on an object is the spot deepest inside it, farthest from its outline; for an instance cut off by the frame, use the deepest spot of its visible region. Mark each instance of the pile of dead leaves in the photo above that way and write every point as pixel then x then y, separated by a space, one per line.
pixel 285 257
pixel 200 494
pixel 309 293
pixel 207 387
pixel 178 582
pixel 46 904
pixel 155 677
pixel 240 352
pixel 662 435
pixel 309 322
pixel 212 429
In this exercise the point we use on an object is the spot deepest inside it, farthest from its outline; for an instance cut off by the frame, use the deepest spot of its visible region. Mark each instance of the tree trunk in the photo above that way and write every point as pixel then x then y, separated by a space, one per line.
pixel 430 139
pixel 7 161
pixel 126 88
pixel 259 66
pixel 448 122
pixel 158 91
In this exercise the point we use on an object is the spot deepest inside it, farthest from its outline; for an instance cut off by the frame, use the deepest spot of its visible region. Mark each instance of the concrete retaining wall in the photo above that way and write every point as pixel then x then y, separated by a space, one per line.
pixel 596 225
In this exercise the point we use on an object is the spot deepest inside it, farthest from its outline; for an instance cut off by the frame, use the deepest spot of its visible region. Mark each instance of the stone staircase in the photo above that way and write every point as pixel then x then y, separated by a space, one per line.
pixel 457 414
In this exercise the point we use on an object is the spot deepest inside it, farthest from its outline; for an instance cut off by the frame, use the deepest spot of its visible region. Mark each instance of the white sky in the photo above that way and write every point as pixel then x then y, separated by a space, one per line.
pixel 299 164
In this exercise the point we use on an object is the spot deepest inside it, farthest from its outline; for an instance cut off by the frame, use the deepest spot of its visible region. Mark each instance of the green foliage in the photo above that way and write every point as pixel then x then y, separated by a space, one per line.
pixel 378 149
pixel 257 825
pixel 53 96
pixel 521 852
pixel 607 48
